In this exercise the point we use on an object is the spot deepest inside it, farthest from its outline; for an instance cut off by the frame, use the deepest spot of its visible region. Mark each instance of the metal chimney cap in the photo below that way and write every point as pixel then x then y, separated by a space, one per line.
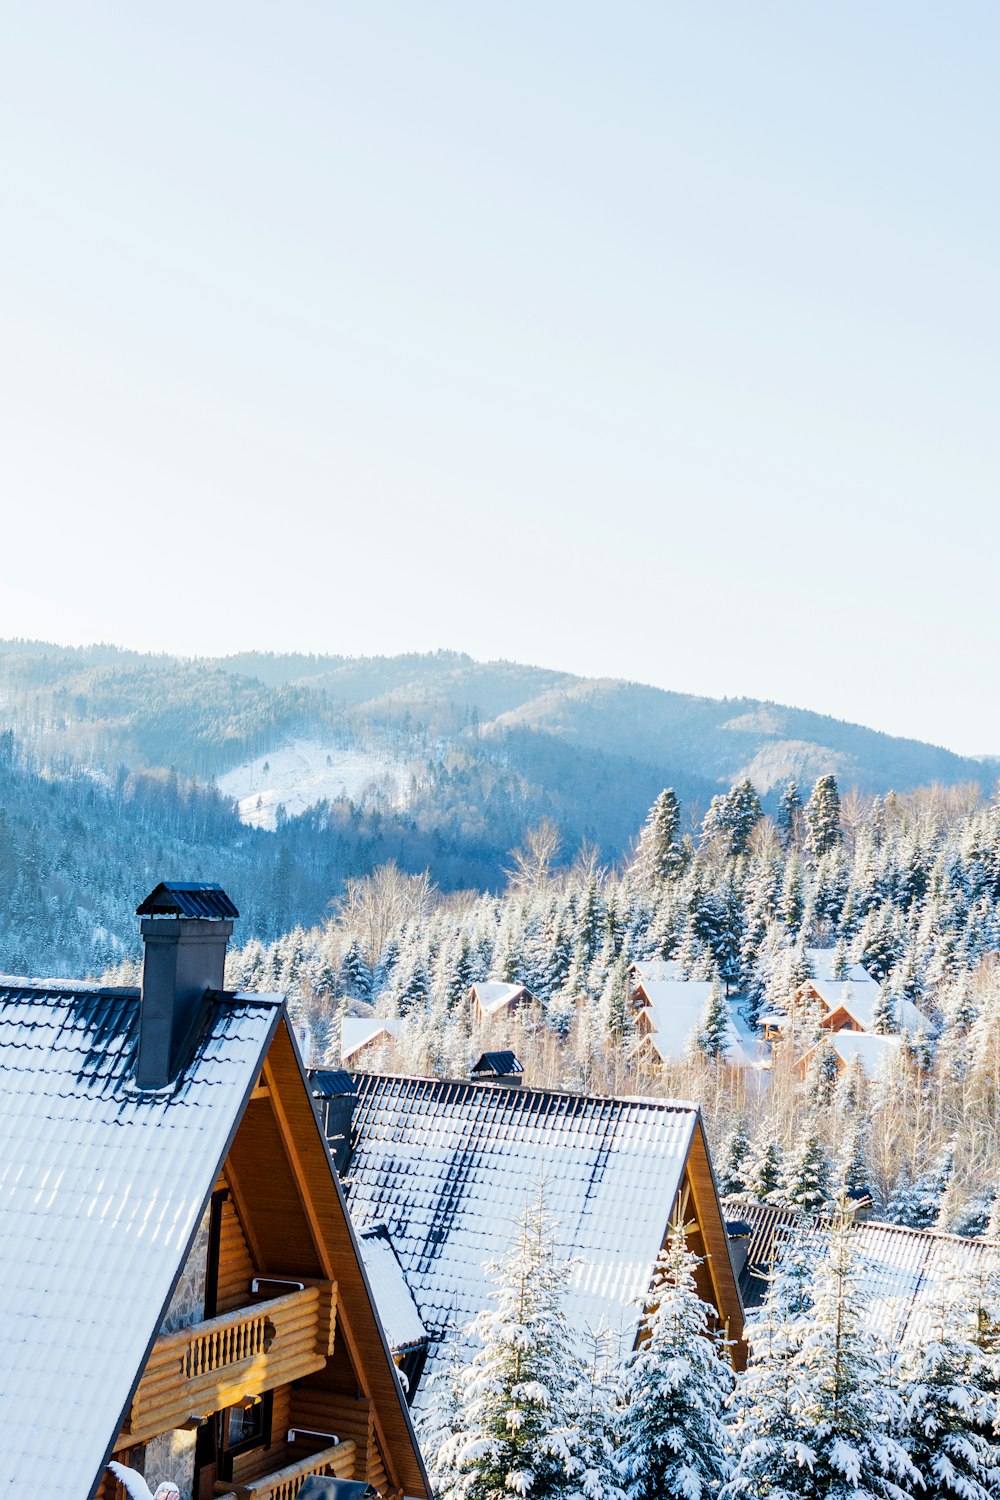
pixel 201 899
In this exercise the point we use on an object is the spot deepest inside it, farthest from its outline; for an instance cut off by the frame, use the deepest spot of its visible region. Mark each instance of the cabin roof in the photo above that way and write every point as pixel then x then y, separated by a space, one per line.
pixel 823 962
pixel 675 1008
pixel 357 1031
pixel 397 1310
pixel 901 1267
pixel 656 968
pixel 872 1051
pixel 493 996
pixel 448 1167
pixel 101 1189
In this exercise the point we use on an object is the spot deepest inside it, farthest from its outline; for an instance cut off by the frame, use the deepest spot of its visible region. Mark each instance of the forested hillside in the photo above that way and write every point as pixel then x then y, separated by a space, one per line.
pixel 111 760
pixel 907 886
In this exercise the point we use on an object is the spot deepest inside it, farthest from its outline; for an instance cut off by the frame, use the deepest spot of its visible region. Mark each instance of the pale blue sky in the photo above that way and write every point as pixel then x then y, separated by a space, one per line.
pixel 656 340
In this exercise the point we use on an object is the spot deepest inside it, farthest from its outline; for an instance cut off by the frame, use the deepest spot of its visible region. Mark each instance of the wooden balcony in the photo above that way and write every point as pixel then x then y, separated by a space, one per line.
pixel 211 1365
pixel 337 1462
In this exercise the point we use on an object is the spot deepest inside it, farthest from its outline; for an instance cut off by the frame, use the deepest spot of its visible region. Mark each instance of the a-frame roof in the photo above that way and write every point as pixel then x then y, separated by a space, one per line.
pixel 448 1167
pixel 102 1187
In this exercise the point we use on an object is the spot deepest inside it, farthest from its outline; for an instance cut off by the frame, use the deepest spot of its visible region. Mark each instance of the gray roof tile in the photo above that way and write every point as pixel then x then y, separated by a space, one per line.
pixel 101 1187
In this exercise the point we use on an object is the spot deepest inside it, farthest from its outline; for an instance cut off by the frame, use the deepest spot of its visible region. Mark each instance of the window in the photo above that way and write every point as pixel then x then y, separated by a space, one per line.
pixel 239 1429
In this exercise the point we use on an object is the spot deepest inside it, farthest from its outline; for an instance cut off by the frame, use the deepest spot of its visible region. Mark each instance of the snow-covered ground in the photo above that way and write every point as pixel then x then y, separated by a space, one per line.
pixel 303 773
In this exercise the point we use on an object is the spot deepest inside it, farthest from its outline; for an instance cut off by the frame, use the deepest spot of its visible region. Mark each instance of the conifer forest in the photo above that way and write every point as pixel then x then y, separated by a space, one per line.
pixel 742 892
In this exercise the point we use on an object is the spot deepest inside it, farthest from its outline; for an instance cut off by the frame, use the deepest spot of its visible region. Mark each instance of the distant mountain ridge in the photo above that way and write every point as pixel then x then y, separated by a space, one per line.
pixel 443 698
pixel 282 776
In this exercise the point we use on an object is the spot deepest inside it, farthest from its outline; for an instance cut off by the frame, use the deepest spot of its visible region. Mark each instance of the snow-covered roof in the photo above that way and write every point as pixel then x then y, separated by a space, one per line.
pixel 493 996
pixel 448 1167
pixel 900 1266
pixel 101 1189
pixel 357 1031
pixel 859 999
pixel 823 962
pixel 873 1052
pixel 675 1008
pixel 396 1308
pixel 656 968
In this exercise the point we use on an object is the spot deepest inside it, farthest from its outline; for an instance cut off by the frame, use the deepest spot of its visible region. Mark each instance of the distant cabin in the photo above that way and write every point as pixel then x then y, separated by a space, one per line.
pixel 872 1053
pixel 359 1034
pixel 668 1014
pixel 490 1000
pixel 847 1004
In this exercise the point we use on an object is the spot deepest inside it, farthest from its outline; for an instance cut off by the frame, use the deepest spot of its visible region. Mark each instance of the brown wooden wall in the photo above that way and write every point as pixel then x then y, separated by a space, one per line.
pixel 236 1267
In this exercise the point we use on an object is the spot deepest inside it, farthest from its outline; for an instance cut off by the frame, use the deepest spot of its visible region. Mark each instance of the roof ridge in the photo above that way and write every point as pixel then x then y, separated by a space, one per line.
pixel 679 1106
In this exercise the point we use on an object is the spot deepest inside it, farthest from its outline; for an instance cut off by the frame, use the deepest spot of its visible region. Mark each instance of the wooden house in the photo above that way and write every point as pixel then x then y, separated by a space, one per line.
pixel 448 1167
pixel 360 1034
pixel 668 1013
pixel 489 1001
pixel 872 1053
pixel 181 1286
pixel 841 1000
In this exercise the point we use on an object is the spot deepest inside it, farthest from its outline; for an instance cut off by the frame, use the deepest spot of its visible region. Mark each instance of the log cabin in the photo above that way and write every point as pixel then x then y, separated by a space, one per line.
pixel 181 1287
pixel 491 1000
pixel 447 1167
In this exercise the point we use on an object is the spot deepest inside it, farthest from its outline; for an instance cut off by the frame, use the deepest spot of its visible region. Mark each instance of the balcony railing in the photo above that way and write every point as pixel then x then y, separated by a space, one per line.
pixel 337 1462
pixel 211 1365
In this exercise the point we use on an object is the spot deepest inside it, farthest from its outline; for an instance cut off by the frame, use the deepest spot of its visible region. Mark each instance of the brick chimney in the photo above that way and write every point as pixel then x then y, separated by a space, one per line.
pixel 185 929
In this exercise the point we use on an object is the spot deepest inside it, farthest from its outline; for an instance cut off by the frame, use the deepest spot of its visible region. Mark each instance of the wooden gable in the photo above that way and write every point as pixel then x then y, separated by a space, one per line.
pixel 293 1325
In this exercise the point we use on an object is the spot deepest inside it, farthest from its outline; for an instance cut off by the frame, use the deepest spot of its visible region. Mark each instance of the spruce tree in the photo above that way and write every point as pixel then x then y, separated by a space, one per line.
pixel 512 1422
pixel 831 1435
pixel 767 1173
pixel 711 1037
pixel 674 1385
pixel 952 1418
pixel 659 854
pixel 808 1178
pixel 734 1163
pixel 822 817
pixel 789 813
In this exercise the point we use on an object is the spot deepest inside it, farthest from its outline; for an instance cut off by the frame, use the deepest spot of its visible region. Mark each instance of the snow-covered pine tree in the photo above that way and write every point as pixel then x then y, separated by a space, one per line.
pixel 511 1427
pixel 767 1172
pixel 808 1178
pixel 659 854
pixel 918 1203
pixel 822 817
pixel 734 1164
pixel 674 1386
pixel 952 1417
pixel 789 813
pixel 821 1078
pixel 711 1036
pixel 596 1414
pixel 765 1425
pixel 833 1434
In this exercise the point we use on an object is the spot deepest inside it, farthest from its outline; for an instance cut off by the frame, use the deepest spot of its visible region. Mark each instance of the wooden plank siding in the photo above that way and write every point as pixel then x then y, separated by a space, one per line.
pixel 361 1334
pixel 711 1240
pixel 318 1349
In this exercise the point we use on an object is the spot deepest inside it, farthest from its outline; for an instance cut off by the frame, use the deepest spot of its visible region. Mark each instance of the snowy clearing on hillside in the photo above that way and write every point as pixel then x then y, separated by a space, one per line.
pixel 303 773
